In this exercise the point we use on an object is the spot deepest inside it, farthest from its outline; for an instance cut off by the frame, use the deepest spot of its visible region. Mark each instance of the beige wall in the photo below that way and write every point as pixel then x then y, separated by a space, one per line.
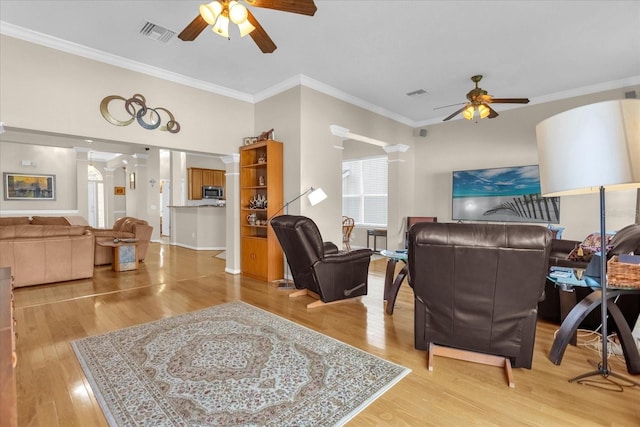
pixel 60 162
pixel 282 114
pixel 508 140
pixel 52 91
pixel 321 163
pixel 48 90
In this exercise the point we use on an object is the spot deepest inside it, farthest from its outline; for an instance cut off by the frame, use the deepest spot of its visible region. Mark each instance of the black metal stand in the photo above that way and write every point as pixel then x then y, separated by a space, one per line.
pixel 602 368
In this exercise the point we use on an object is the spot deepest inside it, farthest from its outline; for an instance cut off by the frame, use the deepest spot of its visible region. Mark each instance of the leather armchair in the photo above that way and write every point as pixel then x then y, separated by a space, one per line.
pixel 123 228
pixel 477 288
pixel 318 266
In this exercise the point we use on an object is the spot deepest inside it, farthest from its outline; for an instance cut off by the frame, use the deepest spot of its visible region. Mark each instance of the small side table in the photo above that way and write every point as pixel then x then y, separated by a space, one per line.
pixel 125 254
pixel 391 284
pixel 577 313
pixel 376 232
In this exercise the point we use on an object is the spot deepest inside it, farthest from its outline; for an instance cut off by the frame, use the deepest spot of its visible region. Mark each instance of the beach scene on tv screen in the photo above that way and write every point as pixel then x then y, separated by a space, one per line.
pixel 510 194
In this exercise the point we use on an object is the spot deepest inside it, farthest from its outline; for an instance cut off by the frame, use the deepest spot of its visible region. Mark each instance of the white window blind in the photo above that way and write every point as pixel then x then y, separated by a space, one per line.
pixel 364 191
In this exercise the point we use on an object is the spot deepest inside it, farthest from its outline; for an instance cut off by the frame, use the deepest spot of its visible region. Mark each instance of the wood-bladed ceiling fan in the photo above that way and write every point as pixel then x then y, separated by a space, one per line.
pixel 219 13
pixel 479 100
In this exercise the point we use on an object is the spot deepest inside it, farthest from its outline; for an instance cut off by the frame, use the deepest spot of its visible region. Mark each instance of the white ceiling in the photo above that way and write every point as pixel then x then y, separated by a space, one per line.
pixel 370 53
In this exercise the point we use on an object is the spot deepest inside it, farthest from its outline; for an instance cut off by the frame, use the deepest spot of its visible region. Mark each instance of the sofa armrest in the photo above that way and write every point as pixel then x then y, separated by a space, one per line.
pixel 563 246
pixel 142 232
pixel 330 248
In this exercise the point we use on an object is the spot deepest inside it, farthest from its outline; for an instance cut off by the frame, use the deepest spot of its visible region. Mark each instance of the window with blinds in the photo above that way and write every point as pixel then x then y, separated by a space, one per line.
pixel 364 191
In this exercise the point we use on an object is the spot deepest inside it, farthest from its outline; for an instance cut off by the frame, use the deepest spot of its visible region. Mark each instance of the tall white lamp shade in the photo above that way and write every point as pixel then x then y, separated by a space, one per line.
pixel 592 149
pixel 597 145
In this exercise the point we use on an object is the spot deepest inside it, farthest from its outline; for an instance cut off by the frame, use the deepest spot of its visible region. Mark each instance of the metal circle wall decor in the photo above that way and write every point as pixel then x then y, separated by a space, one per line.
pixel 136 107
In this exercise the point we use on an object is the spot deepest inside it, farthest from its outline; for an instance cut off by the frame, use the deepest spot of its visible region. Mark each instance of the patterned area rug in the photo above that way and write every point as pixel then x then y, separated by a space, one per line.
pixel 232 364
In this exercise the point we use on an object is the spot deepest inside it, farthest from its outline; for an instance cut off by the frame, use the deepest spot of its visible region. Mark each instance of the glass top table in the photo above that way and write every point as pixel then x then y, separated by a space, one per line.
pixel 573 314
pixel 391 283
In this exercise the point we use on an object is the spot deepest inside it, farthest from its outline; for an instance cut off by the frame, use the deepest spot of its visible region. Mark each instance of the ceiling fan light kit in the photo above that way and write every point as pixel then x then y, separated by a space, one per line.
pixel 479 100
pixel 472 111
pixel 219 13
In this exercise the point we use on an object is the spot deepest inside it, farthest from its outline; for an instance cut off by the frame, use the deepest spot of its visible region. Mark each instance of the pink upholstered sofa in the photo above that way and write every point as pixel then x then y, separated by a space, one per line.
pixel 45 249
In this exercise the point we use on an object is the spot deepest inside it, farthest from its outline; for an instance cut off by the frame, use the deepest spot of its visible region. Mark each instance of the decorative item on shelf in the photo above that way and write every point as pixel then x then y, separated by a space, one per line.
pixel 262 158
pixel 258 202
pixel 261 180
pixel 251 219
pixel 268 134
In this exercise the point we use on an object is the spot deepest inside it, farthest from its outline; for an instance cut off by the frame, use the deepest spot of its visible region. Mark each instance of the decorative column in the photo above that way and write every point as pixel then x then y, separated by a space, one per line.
pixel 82 181
pixel 109 196
pixel 178 168
pixel 232 164
pixel 396 192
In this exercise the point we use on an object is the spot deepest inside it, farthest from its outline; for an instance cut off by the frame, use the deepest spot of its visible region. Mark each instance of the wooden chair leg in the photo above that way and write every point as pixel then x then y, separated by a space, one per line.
pixel 318 302
pixel 430 356
pixel 509 373
pixel 299 293
pixel 470 356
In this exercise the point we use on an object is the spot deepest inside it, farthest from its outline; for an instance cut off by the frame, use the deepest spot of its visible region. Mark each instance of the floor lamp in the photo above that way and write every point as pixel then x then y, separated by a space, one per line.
pixel 586 150
pixel 315 196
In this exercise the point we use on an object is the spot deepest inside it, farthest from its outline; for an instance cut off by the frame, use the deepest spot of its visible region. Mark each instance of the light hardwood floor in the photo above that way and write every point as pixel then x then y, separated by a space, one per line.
pixel 53 391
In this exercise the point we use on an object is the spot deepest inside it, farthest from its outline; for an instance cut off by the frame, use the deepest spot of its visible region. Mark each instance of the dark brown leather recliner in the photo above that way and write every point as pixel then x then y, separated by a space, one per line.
pixel 477 287
pixel 317 266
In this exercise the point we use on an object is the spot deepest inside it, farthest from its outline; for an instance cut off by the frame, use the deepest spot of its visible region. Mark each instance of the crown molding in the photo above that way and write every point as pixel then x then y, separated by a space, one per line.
pixel 299 80
pixel 118 61
pixel 231 158
pixel 128 64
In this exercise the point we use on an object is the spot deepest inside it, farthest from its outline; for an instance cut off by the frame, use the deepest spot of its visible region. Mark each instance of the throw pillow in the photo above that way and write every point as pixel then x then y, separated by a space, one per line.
pixel 593 239
pixel 589 246
pixel 581 254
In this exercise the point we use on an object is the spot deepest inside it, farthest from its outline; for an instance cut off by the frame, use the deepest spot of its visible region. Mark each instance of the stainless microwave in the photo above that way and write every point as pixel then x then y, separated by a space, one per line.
pixel 212 192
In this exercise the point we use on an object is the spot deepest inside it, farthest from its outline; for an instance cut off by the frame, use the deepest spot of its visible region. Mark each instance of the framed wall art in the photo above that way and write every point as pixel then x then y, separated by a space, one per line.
pixel 18 186
pixel 510 194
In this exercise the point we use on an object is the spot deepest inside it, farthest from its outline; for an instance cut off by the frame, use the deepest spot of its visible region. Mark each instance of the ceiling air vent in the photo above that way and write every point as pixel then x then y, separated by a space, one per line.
pixel 418 92
pixel 155 32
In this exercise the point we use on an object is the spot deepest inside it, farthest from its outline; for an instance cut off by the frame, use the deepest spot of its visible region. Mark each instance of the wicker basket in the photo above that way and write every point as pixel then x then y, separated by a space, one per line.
pixel 622 275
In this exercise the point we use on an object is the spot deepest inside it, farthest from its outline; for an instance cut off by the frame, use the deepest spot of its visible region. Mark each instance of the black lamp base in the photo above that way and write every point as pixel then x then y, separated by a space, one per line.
pixel 605 381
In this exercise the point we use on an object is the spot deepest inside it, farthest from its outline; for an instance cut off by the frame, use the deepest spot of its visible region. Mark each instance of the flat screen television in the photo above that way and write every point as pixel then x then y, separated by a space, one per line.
pixel 510 194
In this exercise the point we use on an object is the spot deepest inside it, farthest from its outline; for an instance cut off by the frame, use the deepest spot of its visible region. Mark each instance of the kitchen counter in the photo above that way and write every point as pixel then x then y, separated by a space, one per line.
pixel 199 229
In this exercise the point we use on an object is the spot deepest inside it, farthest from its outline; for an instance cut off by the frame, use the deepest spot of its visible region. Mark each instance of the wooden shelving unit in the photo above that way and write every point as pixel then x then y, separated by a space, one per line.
pixel 261 167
